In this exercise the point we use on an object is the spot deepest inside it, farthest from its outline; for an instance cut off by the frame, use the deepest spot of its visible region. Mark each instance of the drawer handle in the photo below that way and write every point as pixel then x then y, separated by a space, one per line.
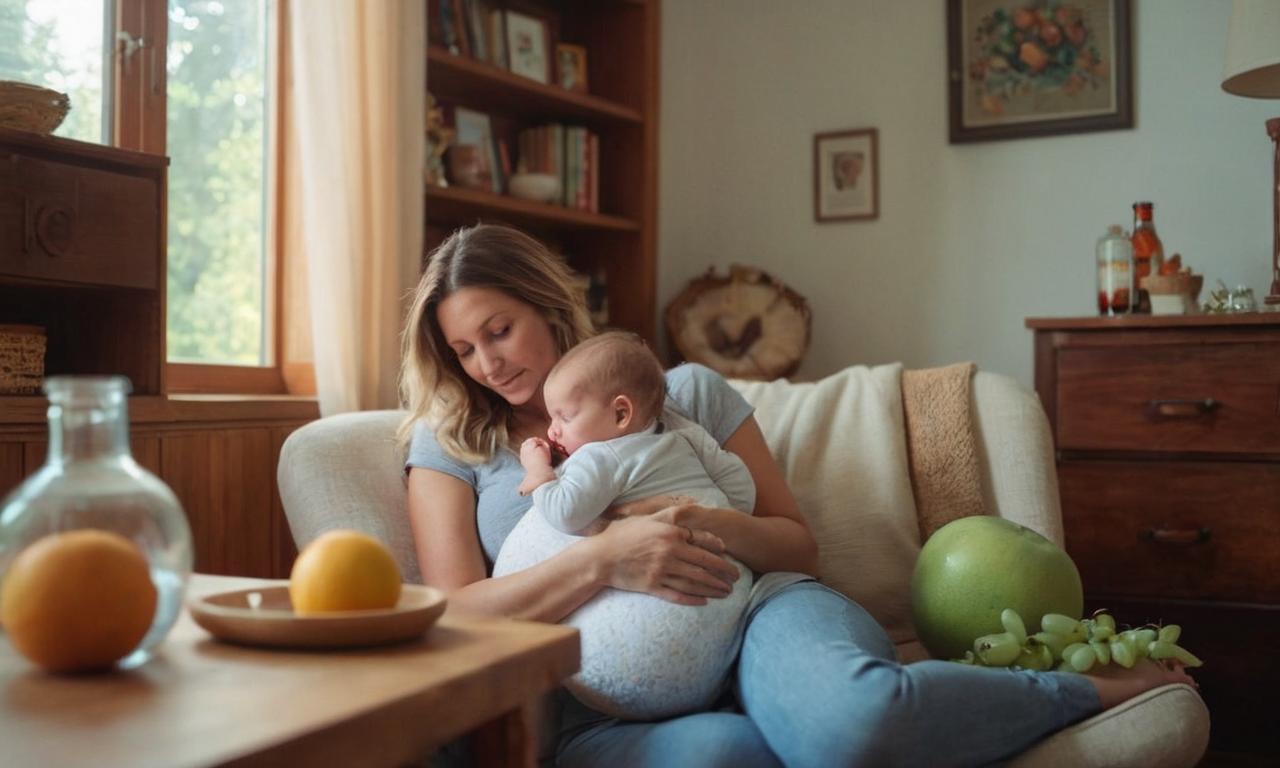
pixel 1181 537
pixel 1182 409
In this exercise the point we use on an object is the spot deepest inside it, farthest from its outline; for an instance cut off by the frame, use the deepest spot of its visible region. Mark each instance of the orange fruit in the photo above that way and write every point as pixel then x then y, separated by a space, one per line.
pixel 78 600
pixel 344 571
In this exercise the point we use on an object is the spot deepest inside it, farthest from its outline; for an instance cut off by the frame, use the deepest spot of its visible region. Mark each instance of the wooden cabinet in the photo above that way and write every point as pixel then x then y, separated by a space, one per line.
pixel 82 255
pixel 1168 444
pixel 621 39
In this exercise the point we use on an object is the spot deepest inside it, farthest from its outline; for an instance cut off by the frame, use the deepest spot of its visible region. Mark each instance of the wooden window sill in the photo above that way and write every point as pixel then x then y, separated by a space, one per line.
pixel 173 409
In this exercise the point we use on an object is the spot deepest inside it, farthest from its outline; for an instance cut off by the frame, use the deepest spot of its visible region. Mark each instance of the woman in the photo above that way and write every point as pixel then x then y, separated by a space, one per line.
pixel 816 683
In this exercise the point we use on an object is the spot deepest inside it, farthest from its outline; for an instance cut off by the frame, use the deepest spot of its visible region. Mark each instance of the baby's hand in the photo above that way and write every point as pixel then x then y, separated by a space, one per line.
pixel 535 454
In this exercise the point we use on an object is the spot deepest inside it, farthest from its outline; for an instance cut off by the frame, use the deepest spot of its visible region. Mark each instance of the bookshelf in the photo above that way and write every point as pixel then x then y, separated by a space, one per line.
pixel 620 107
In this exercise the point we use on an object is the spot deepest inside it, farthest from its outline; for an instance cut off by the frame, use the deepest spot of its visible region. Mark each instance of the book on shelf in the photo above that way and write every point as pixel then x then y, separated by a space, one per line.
pixel 512 40
pixel 571 154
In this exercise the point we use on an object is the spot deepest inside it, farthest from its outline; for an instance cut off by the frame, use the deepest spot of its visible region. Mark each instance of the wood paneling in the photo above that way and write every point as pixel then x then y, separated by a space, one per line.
pixel 224 475
pixel 11 466
pixel 225 481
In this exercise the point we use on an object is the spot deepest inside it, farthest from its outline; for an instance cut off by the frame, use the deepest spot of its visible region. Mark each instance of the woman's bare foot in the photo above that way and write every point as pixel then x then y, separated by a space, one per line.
pixel 1116 684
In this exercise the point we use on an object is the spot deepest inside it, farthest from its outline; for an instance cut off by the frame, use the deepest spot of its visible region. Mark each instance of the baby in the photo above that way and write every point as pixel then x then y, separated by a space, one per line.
pixel 642 657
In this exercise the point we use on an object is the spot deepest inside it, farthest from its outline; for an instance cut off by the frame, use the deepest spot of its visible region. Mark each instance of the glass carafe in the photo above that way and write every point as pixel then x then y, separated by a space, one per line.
pixel 90 480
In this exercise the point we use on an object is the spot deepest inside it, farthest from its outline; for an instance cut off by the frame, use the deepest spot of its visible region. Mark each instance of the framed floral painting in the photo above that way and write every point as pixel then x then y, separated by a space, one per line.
pixel 1022 68
pixel 846 175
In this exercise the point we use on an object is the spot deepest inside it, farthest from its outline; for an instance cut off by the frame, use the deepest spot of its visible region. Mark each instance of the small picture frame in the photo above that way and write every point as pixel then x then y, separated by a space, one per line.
pixel 846 175
pixel 527 47
pixel 571 67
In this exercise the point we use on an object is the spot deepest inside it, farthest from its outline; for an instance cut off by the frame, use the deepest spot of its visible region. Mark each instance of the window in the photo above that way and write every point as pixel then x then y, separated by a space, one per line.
pixel 217 111
pixel 195 80
pixel 63 45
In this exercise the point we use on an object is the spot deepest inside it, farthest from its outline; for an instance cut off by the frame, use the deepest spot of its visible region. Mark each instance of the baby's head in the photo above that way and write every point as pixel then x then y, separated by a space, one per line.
pixel 608 386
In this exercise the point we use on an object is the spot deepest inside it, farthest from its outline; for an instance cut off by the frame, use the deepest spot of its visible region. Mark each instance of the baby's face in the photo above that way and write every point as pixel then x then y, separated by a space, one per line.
pixel 578 415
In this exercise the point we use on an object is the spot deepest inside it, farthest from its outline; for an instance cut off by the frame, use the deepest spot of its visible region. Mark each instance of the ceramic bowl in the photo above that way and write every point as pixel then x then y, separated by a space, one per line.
pixel 539 187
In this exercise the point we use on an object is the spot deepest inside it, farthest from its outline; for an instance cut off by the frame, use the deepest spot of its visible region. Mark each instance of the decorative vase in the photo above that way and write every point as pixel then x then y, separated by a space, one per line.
pixel 90 480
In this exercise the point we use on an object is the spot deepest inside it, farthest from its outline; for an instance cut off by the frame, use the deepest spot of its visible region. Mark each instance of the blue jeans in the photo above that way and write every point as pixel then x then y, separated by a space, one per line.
pixel 818 684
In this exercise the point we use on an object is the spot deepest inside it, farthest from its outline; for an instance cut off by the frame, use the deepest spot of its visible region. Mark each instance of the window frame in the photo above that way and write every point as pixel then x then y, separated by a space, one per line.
pixel 139 121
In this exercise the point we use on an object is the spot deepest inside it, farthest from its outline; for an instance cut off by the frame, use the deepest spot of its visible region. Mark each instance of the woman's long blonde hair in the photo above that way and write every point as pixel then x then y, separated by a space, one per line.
pixel 472 421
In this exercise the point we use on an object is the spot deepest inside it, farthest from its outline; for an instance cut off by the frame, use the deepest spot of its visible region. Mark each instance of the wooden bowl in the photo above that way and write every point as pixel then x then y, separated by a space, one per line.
pixel 1184 284
pixel 265 617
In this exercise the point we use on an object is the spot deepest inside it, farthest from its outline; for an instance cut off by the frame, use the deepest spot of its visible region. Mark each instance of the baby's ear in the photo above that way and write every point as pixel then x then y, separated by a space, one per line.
pixel 623 411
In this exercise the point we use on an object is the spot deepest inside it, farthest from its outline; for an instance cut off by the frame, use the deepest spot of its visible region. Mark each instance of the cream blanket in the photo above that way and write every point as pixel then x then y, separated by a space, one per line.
pixel 842 444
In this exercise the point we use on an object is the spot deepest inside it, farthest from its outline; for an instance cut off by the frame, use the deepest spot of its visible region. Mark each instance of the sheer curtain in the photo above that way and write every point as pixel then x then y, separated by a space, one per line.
pixel 352 151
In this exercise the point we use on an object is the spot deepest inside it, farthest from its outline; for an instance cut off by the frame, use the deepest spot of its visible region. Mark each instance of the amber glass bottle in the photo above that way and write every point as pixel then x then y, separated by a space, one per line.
pixel 1148 253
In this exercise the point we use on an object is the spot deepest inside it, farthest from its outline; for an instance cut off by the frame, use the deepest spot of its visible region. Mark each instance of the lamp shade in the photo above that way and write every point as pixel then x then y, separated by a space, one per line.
pixel 1253 50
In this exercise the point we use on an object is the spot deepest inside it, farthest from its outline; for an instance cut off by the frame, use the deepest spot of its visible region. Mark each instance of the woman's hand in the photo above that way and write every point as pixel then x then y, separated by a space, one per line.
pixel 678 564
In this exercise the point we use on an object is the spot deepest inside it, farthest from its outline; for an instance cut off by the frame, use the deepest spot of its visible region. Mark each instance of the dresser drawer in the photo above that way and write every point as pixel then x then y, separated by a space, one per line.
pixel 77 224
pixel 1200 530
pixel 1214 398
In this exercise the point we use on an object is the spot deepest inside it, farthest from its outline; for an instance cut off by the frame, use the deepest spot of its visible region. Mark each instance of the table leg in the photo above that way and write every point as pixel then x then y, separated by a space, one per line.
pixel 509 740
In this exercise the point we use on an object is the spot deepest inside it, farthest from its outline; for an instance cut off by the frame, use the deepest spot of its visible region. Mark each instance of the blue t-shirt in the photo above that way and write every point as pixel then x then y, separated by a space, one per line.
pixel 693 391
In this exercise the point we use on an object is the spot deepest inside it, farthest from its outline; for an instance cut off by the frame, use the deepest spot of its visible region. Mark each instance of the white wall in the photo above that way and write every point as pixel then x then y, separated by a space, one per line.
pixel 972 238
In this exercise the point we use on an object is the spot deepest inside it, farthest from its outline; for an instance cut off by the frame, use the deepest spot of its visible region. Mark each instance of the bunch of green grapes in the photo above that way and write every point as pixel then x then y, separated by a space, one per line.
pixel 1075 645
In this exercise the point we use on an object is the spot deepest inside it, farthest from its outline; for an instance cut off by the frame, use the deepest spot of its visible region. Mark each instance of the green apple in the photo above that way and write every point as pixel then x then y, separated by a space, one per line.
pixel 973 568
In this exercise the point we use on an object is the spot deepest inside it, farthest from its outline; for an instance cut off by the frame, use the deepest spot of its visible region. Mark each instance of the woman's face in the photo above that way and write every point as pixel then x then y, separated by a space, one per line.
pixel 502 343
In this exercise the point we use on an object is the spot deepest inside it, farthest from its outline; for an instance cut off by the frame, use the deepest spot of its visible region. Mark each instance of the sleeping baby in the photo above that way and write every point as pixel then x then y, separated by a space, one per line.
pixel 642 657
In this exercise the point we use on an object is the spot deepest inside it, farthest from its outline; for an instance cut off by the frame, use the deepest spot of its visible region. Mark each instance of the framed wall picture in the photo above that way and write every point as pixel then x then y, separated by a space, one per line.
pixel 1021 68
pixel 846 175
pixel 527 47
pixel 571 67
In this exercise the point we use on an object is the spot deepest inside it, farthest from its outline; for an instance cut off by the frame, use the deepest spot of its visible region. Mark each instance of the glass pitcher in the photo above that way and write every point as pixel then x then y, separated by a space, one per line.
pixel 90 480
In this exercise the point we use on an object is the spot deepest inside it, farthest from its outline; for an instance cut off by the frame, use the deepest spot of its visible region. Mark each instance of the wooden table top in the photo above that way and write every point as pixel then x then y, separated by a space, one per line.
pixel 202 702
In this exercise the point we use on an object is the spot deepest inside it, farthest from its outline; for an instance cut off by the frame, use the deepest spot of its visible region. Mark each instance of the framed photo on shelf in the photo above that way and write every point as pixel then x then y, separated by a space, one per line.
pixel 846 175
pixel 473 162
pixel 571 67
pixel 527 47
pixel 1017 68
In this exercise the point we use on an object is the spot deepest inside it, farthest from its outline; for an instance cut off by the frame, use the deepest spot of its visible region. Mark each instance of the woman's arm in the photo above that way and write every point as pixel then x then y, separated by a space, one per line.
pixel 776 537
pixel 641 555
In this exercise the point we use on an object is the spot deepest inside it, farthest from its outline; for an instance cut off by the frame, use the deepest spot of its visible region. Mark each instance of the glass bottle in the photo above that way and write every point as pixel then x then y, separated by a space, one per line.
pixel 1148 252
pixel 90 480
pixel 1115 272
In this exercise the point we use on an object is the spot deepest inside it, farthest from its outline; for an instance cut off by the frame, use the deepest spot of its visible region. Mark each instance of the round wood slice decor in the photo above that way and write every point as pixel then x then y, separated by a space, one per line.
pixel 745 325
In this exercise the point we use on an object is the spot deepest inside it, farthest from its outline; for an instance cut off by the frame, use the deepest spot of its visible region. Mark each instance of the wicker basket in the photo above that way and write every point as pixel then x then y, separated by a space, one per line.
pixel 31 108
pixel 21 359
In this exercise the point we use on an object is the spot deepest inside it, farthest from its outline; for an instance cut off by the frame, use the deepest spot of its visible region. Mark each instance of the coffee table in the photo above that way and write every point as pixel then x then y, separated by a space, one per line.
pixel 201 702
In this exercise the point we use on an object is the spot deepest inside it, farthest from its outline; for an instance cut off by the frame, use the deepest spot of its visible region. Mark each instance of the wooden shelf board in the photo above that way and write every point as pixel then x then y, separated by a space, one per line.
pixel 22 410
pixel 466 205
pixel 479 85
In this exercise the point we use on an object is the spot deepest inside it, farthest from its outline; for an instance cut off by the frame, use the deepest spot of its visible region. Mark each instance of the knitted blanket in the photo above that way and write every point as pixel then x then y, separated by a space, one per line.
pixel 942 449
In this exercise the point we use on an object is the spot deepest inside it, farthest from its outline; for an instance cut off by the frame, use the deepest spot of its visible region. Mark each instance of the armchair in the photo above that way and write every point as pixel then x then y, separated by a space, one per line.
pixel 345 471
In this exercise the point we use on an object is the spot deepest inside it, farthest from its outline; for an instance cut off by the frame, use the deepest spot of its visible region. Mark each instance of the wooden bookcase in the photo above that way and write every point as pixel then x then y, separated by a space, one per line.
pixel 621 39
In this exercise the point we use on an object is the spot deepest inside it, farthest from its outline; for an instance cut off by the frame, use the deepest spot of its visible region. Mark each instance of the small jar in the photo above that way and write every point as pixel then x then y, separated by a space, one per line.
pixel 1115 272
pixel 90 480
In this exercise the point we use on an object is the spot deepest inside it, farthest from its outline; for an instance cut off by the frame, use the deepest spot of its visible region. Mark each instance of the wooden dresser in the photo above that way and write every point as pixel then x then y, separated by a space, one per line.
pixel 1168 444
